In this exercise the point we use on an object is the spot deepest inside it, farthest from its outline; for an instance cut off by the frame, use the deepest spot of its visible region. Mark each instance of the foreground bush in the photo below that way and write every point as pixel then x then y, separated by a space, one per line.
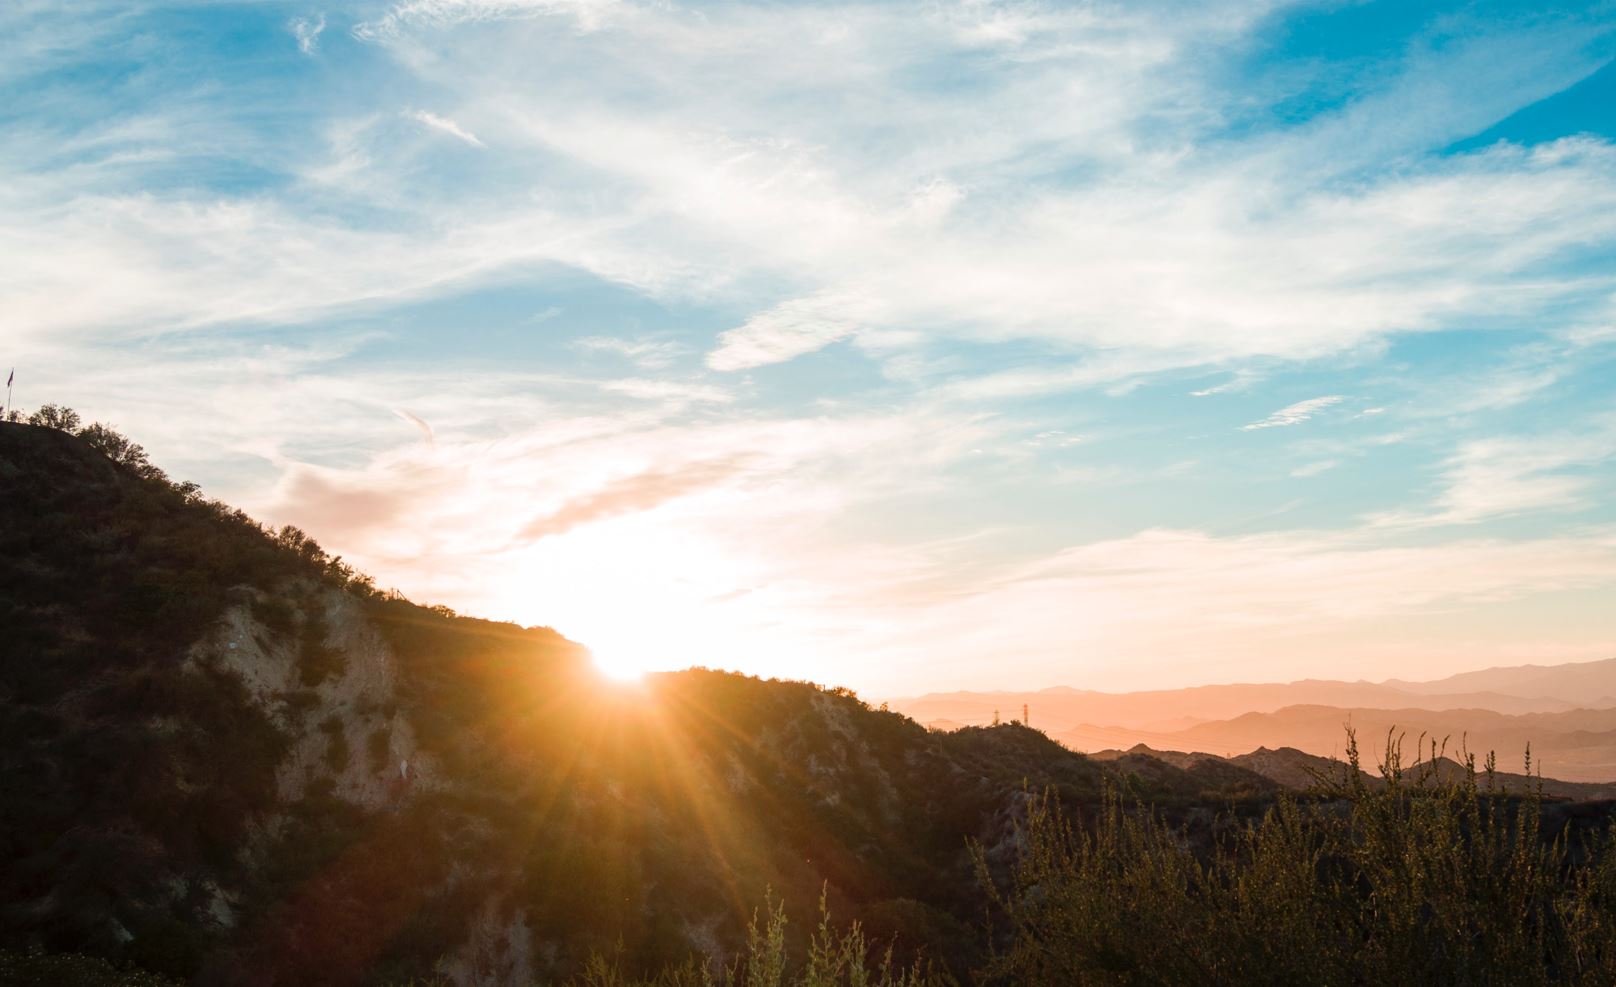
pixel 834 959
pixel 1421 881
pixel 36 969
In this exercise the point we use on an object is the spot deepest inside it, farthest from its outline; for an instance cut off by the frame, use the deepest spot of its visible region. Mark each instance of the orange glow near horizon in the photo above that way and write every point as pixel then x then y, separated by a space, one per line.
pixel 624 666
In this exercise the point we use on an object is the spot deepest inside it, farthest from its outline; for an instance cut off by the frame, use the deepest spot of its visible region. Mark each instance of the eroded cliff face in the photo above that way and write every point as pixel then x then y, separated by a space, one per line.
pixel 329 680
pixel 346 727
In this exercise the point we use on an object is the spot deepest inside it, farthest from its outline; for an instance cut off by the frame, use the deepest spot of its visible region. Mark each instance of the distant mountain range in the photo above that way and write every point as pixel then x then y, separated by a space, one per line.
pixel 1566 713
pixel 1295 770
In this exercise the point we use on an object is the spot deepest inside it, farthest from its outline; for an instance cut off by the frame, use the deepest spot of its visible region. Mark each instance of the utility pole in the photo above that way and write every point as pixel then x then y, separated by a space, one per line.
pixel 1025 720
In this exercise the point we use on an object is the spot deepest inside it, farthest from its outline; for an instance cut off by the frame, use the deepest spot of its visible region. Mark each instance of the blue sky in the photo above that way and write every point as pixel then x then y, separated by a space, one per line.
pixel 906 346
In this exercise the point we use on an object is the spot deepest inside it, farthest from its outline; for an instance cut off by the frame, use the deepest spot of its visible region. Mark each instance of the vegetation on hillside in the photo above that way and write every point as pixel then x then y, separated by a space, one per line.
pixel 122 763
pixel 1413 881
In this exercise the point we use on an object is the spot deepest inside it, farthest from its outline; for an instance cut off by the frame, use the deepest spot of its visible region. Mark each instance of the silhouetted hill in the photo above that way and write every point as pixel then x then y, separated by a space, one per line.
pixel 1565 712
pixel 228 758
pixel 1576 745
pixel 1298 771
pixel 1589 684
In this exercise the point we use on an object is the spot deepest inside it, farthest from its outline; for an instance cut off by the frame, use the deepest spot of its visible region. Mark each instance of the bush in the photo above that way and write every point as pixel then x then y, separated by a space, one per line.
pixel 315 661
pixel 834 958
pixel 1417 882
pixel 69 970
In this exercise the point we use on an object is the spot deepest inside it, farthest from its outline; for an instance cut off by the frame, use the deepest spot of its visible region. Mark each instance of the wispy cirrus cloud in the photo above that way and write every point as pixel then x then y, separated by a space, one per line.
pixel 587 14
pixel 1240 381
pixel 1506 476
pixel 1254 601
pixel 1201 256
pixel 648 352
pixel 446 126
pixel 307 31
pixel 1003 228
pixel 1294 414
pixel 786 331
pixel 669 390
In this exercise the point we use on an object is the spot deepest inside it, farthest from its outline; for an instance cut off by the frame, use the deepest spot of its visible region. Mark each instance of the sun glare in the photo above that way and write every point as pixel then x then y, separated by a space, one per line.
pixel 618 667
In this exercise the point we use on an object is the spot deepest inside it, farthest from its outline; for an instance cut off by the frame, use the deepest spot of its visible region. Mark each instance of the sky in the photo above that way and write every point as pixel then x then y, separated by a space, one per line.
pixel 906 346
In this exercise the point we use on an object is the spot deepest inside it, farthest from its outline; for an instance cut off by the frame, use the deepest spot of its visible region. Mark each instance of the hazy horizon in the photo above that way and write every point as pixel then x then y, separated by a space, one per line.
pixel 906 347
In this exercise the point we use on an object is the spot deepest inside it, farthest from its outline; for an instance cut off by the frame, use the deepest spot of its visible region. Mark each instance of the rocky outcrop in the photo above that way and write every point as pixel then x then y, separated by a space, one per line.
pixel 344 720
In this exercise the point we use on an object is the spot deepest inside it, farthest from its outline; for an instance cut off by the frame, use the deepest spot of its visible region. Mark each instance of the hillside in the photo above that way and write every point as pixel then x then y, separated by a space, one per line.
pixel 229 759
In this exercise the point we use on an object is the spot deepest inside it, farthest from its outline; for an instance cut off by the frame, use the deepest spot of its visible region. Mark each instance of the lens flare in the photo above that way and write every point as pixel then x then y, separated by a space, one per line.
pixel 618 666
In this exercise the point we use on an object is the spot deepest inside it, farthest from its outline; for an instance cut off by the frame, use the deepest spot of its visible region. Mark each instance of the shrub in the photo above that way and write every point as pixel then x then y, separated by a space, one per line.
pixel 70 970
pixel 275 613
pixel 834 958
pixel 1415 882
pixel 316 662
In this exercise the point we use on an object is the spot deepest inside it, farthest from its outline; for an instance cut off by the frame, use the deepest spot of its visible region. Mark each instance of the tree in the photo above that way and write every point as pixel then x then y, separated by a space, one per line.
pixel 55 416
pixel 120 449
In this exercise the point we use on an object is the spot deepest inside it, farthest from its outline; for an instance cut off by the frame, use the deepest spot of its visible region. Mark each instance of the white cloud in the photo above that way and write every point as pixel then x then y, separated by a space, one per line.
pixel 426 429
pixel 1315 468
pixel 1242 380
pixel 648 352
pixel 669 390
pixel 786 331
pixel 1057 438
pixel 1295 414
pixel 1273 607
pixel 447 126
pixel 1197 254
pixel 1078 200
pixel 1506 476
pixel 587 14
pixel 307 32
pixel 536 489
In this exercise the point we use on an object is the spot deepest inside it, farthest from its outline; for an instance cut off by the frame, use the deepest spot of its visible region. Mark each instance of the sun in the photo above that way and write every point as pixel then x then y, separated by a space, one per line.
pixel 619 666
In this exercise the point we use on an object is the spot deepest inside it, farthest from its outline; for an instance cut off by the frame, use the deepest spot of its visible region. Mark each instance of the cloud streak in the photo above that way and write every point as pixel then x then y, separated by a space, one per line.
pixel 307 31
pixel 1294 414
pixel 446 126
pixel 877 338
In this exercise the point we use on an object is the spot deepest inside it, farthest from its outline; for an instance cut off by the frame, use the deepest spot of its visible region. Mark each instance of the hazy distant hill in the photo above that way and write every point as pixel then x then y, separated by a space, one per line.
pixel 1565 712
pixel 1297 770
pixel 1169 710
pixel 1588 684
pixel 1575 745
